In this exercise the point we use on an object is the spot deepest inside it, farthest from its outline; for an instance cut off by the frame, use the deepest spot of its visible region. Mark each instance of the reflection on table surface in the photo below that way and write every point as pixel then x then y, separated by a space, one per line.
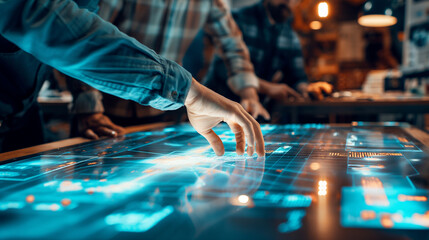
pixel 316 181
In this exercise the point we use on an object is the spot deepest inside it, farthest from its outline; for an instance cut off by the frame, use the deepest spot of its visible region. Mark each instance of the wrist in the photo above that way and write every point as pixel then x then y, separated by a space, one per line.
pixel 264 86
pixel 302 87
pixel 249 93
pixel 192 93
pixel 88 102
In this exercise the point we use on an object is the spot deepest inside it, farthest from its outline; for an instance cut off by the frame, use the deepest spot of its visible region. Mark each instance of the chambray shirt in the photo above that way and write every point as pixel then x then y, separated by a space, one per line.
pixel 272 47
pixel 82 45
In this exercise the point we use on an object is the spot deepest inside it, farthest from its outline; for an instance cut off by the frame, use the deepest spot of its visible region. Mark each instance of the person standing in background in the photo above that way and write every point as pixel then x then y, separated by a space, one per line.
pixel 169 27
pixel 275 52
pixel 68 37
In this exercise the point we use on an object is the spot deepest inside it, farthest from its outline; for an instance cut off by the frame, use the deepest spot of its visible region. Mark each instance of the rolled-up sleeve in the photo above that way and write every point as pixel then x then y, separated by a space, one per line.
pixel 83 46
pixel 228 39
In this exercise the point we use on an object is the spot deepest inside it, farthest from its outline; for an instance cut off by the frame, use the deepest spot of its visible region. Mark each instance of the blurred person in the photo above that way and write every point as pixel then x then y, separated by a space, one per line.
pixel 378 52
pixel 169 28
pixel 78 43
pixel 275 53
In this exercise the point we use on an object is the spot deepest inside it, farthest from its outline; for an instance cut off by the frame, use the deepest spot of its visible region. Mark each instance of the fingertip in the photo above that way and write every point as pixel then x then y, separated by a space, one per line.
pixel 219 152
pixel 218 147
pixel 90 134
pixel 120 130
pixel 215 142
pixel 250 151
pixel 260 149
pixel 267 117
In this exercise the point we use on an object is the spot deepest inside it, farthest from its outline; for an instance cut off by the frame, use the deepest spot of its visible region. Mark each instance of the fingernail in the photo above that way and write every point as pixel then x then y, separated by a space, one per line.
pixel 113 133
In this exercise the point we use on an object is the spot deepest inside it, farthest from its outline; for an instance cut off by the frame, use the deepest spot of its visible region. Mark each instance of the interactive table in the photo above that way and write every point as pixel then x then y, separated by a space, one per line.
pixel 316 182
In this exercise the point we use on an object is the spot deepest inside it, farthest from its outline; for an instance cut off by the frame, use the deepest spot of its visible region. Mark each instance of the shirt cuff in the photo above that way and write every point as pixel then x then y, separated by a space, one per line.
pixel 88 102
pixel 175 86
pixel 241 81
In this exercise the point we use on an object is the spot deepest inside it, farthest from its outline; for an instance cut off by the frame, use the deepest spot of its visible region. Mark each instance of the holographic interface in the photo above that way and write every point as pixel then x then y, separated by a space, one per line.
pixel 168 183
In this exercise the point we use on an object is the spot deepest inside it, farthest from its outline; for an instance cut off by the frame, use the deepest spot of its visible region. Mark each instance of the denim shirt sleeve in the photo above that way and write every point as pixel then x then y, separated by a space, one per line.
pixel 83 46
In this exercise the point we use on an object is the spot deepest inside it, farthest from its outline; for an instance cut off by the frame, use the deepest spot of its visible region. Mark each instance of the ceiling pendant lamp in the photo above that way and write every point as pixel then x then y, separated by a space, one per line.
pixel 377 13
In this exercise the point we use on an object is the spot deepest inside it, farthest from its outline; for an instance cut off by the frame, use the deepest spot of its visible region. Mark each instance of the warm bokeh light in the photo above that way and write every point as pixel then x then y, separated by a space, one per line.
pixel 315 166
pixel 323 188
pixel 30 198
pixel 315 25
pixel 65 202
pixel 421 219
pixel 374 193
pixel 54 207
pixel 406 198
pixel 377 20
pixel 243 199
pixel 367 214
pixel 386 221
pixel 323 9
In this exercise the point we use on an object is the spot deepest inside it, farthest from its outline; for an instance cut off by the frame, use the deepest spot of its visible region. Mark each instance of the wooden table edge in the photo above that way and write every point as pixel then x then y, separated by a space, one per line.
pixel 69 142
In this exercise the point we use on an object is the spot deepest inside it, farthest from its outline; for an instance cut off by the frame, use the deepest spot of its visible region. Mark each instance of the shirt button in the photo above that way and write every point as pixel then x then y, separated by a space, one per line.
pixel 174 94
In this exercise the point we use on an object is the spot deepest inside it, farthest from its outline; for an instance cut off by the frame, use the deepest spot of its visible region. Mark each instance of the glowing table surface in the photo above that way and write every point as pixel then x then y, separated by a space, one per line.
pixel 316 182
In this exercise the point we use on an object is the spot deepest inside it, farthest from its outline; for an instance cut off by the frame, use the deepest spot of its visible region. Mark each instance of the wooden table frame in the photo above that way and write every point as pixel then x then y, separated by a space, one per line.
pixel 332 108
pixel 69 142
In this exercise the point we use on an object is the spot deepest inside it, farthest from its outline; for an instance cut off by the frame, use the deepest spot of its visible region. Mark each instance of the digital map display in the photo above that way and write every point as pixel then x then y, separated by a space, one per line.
pixel 315 182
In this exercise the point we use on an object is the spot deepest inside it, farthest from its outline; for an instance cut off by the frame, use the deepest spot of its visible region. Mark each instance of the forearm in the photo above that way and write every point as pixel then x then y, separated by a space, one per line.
pixel 249 93
pixel 83 46
pixel 263 86
pixel 228 39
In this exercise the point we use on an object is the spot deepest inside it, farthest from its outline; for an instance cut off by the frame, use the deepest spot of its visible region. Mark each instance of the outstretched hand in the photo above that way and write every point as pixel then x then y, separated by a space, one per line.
pixel 206 109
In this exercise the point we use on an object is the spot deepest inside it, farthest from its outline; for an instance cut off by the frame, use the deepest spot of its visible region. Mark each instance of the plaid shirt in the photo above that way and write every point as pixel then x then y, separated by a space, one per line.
pixel 272 47
pixel 169 27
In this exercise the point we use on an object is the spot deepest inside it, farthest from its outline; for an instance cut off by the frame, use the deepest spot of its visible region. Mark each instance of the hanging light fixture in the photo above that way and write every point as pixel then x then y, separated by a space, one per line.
pixel 323 9
pixel 377 13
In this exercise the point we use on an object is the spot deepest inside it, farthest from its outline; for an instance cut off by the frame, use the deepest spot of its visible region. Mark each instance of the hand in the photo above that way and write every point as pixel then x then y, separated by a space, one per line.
pixel 250 102
pixel 96 125
pixel 206 109
pixel 318 89
pixel 281 92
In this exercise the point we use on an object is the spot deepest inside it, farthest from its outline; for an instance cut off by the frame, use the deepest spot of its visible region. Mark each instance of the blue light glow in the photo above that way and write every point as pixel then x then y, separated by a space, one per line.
pixel 137 221
pixel 144 182
pixel 404 209
pixel 293 223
